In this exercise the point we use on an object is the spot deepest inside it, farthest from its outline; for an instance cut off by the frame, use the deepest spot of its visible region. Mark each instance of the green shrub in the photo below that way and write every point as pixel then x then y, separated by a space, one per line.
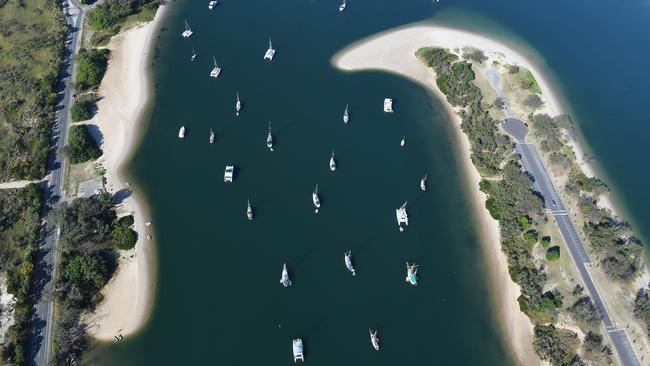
pixel 553 254
pixel 81 110
pixel 91 66
pixel 525 223
pixel 126 221
pixel 531 236
pixel 559 346
pixel 81 146
pixel 124 237
pixel 546 241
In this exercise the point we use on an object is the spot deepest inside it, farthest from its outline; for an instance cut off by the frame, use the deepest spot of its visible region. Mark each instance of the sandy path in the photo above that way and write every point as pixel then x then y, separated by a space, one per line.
pixel 19 183
pixel 125 92
pixel 394 51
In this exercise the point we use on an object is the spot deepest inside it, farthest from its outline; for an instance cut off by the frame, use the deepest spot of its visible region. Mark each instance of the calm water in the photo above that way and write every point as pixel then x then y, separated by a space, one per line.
pixel 218 299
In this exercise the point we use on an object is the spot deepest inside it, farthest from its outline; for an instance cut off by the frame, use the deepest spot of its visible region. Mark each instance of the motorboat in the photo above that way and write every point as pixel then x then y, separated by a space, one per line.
pixel 284 280
pixel 346 115
pixel 269 139
pixel 211 136
pixel 403 142
pixel 229 173
pixel 342 6
pixel 412 274
pixel 314 197
pixel 212 4
pixel 193 55
pixel 332 162
pixel 423 183
pixel 188 31
pixel 402 216
pixel 270 52
pixel 237 105
pixel 388 105
pixel 348 262
pixel 249 211
pixel 181 132
pixel 298 350
pixel 216 70
pixel 374 340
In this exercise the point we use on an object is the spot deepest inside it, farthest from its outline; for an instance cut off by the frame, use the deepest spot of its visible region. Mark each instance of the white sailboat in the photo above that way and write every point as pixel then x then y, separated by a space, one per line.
pixel 212 4
pixel 315 198
pixel 388 105
pixel 332 162
pixel 249 210
pixel 269 139
pixel 188 31
pixel 284 280
pixel 342 6
pixel 348 262
pixel 423 183
pixel 211 136
pixel 193 55
pixel 216 70
pixel 298 350
pixel 270 52
pixel 237 105
pixel 374 340
pixel 403 142
pixel 181 132
pixel 402 217
pixel 346 115
pixel 412 274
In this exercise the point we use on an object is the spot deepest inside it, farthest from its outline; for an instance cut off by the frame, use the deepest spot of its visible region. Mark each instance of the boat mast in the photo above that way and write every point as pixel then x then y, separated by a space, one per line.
pixel 270 44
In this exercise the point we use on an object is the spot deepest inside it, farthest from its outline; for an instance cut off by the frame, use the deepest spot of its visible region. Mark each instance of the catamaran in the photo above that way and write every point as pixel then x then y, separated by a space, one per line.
pixel 181 132
pixel 237 105
pixel 188 31
pixel 332 162
pixel 403 142
pixel 211 136
pixel 269 52
pixel 249 210
pixel 374 340
pixel 348 262
pixel 342 6
pixel 216 70
pixel 229 173
pixel 269 139
pixel 423 183
pixel 314 197
pixel 346 115
pixel 193 55
pixel 412 274
pixel 388 105
pixel 284 280
pixel 298 351
pixel 402 217
pixel 212 4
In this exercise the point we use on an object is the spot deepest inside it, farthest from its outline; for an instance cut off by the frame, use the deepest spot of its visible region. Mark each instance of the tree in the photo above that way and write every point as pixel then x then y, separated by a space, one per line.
pixel 81 110
pixel 533 101
pixel 124 237
pixel 91 66
pixel 553 254
pixel 583 310
pixel 81 146
pixel 559 346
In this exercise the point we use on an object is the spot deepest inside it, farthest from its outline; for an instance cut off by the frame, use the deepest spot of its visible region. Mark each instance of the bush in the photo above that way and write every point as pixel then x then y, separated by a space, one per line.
pixel 546 241
pixel 583 310
pixel 475 55
pixel 124 237
pixel 91 66
pixel 531 236
pixel 642 307
pixel 126 221
pixel 513 69
pixel 81 146
pixel 533 101
pixel 81 110
pixel 553 254
pixel 559 346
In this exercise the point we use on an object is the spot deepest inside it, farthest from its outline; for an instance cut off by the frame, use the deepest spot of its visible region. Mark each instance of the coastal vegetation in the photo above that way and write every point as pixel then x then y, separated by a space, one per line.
pixel 81 146
pixel 32 36
pixel 81 110
pixel 19 234
pixel 91 66
pixel 108 18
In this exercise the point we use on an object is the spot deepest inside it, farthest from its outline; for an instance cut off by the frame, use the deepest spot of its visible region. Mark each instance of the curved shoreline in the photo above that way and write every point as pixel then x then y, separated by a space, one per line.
pixel 126 94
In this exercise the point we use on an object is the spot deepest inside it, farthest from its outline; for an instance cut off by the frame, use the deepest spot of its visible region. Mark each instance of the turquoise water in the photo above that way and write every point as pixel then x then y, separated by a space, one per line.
pixel 219 300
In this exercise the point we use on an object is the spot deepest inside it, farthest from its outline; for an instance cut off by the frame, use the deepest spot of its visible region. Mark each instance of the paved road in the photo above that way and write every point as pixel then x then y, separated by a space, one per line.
pixel 543 184
pixel 41 341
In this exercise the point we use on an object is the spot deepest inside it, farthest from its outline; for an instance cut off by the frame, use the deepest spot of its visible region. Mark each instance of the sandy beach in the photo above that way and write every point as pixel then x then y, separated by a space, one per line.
pixel 125 92
pixel 394 51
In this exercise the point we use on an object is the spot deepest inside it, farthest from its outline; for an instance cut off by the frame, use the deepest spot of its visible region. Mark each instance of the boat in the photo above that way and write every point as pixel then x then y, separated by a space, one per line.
pixel 193 55
pixel 181 132
pixel 388 105
pixel 216 70
pixel 269 52
pixel 403 142
pixel 374 340
pixel 211 136
pixel 229 173
pixel 298 350
pixel 188 31
pixel 284 280
pixel 212 4
pixel 346 115
pixel 332 162
pixel 412 274
pixel 238 105
pixel 423 183
pixel 249 211
pixel 269 139
pixel 342 6
pixel 348 262
pixel 402 217
pixel 314 197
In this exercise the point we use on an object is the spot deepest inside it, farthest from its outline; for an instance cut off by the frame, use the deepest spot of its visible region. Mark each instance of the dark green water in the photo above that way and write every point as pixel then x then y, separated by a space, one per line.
pixel 218 300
